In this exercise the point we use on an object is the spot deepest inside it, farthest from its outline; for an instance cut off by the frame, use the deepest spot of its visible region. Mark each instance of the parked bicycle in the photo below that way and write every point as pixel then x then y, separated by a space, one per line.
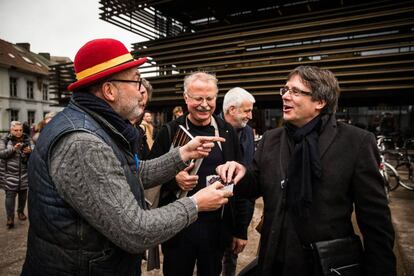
pixel 405 162
pixel 390 174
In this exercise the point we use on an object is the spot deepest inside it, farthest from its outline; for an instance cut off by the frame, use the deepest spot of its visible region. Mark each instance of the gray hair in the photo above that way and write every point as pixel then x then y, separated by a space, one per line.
pixel 15 123
pixel 202 76
pixel 324 85
pixel 235 97
pixel 147 86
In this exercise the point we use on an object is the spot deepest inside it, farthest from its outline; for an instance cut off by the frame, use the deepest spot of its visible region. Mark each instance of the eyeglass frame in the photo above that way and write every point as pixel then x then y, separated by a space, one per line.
pixel 137 82
pixel 294 91
pixel 200 99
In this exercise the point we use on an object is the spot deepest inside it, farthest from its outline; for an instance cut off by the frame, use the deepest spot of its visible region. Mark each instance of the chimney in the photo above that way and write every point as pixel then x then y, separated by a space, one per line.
pixel 24 45
pixel 45 55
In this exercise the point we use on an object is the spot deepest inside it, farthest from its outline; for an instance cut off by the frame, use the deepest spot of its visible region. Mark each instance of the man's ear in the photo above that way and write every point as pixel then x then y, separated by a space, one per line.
pixel 185 98
pixel 320 105
pixel 109 91
pixel 232 109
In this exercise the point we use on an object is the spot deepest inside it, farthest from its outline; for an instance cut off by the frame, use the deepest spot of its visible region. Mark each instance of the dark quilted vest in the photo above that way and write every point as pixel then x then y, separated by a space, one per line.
pixel 60 241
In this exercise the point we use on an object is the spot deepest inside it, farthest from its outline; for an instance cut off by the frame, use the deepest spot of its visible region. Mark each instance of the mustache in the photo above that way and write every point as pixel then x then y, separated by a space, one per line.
pixel 203 109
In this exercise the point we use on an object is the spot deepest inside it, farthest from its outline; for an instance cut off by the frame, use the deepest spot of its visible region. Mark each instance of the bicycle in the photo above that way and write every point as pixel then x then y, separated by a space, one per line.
pixel 389 175
pixel 405 163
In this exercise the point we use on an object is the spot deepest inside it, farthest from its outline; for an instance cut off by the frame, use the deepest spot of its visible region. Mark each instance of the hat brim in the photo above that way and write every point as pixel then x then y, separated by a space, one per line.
pixel 96 77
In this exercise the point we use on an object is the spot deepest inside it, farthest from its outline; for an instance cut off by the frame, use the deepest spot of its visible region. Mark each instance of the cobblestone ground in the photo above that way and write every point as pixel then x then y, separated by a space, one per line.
pixel 13 242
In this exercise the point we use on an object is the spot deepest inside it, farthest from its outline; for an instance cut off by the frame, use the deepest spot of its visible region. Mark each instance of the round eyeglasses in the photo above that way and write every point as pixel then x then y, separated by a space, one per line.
pixel 138 83
pixel 200 100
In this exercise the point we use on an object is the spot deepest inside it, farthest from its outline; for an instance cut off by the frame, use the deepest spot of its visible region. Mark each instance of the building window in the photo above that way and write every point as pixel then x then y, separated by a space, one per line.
pixel 14 115
pixel 30 90
pixel 31 117
pixel 13 87
pixel 45 92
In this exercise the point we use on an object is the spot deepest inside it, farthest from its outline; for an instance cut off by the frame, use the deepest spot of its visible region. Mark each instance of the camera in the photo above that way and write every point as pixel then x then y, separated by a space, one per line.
pixel 25 145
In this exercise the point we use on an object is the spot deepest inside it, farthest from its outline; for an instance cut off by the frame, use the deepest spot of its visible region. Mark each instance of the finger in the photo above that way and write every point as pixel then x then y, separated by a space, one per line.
pixel 221 171
pixel 207 145
pixel 192 178
pixel 217 185
pixel 230 173
pixel 233 245
pixel 202 149
pixel 239 176
pixel 227 193
pixel 212 139
pixel 190 167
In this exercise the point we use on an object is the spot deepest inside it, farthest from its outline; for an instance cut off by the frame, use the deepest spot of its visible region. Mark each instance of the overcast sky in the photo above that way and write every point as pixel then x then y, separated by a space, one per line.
pixel 59 27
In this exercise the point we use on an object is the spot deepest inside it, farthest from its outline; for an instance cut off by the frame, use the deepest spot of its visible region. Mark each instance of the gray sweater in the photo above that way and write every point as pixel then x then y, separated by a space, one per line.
pixel 89 177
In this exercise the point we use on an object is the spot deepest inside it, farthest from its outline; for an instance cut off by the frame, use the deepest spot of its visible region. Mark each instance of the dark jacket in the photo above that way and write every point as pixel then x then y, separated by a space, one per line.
pixel 246 138
pixel 60 241
pixel 350 178
pixel 235 213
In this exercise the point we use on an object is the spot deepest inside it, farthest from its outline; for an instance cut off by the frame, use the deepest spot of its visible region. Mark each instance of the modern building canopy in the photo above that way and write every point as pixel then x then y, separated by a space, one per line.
pixel 369 45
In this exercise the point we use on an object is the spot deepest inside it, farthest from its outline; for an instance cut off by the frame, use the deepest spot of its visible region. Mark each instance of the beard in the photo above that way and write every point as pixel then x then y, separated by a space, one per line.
pixel 240 122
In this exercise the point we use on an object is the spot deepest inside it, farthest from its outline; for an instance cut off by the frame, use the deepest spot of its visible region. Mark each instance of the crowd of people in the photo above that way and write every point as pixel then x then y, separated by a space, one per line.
pixel 105 186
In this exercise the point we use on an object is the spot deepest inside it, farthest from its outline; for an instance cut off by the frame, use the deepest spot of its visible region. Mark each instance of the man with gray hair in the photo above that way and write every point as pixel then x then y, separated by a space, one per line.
pixel 202 243
pixel 237 111
pixel 15 149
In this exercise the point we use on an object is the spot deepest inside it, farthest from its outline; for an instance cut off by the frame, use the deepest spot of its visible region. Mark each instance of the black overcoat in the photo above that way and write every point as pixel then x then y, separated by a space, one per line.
pixel 350 179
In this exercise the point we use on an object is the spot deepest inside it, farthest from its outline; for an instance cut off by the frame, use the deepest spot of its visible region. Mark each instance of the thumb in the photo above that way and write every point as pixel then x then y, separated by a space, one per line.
pixel 190 167
pixel 217 185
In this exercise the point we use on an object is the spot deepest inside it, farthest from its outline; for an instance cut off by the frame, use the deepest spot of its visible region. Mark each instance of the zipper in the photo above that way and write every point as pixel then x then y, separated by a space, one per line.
pixel 342 267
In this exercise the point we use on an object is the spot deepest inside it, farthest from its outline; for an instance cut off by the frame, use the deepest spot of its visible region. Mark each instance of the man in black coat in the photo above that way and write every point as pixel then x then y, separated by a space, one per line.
pixel 313 173
pixel 203 242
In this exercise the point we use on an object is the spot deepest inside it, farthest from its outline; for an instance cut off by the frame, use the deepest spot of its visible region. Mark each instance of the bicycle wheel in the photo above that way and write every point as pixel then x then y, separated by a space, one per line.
pixel 406 179
pixel 391 176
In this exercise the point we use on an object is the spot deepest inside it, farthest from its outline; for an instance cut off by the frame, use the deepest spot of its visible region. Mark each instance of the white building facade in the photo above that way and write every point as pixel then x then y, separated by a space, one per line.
pixel 24 91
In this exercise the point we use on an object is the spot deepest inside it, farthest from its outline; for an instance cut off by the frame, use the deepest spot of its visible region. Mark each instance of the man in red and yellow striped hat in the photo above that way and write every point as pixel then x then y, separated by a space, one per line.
pixel 87 209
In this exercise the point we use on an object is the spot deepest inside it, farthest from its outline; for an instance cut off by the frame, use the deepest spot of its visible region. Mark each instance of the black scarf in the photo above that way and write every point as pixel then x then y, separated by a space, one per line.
pixel 304 168
pixel 96 104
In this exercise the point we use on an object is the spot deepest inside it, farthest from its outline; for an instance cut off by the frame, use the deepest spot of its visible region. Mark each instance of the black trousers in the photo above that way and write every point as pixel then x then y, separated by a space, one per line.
pixel 11 202
pixel 201 243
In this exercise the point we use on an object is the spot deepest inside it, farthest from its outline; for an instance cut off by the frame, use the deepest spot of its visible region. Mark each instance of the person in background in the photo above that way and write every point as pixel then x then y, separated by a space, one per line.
pixel 148 128
pixel 313 173
pixel 42 124
pixel 87 209
pixel 15 149
pixel 203 242
pixel 177 112
pixel 141 145
pixel 237 111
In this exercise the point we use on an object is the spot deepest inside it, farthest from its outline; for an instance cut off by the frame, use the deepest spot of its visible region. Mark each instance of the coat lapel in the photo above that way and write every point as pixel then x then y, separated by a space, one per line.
pixel 327 136
pixel 284 154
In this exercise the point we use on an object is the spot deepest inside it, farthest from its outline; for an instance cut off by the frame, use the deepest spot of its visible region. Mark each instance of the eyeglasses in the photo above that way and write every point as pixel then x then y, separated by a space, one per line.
pixel 200 100
pixel 294 91
pixel 137 82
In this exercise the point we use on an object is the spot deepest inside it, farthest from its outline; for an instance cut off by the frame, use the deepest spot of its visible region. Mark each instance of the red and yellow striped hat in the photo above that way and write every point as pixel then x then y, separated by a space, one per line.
pixel 99 59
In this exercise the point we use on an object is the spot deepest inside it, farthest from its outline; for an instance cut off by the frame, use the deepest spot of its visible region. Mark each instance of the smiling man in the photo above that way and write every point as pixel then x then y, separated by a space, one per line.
pixel 237 111
pixel 313 173
pixel 203 242
pixel 87 210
